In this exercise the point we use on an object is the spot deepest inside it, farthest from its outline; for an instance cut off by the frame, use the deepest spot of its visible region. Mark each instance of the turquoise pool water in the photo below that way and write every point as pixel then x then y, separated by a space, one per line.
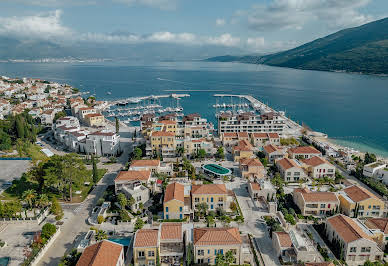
pixel 4 261
pixel 216 169
pixel 123 241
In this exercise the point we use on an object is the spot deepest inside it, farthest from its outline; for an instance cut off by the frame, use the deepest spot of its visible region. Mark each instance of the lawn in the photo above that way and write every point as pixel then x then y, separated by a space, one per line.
pixel 85 189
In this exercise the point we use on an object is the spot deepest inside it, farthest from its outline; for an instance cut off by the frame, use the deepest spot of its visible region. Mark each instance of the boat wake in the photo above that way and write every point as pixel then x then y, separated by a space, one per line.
pixel 174 81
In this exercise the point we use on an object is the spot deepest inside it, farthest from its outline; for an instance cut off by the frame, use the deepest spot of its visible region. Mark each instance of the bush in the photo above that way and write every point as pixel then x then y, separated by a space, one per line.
pixel 289 218
pixel 100 219
pixel 124 216
pixel 47 231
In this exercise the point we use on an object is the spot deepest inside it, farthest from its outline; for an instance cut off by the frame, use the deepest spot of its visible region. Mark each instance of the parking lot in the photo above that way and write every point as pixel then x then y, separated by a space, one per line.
pixel 10 170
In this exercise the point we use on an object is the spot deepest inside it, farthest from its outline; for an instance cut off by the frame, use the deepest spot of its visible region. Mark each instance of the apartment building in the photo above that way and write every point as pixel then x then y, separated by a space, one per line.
pixel 377 170
pixel 214 195
pixel 318 167
pixel 151 165
pixel 251 168
pixel 232 138
pixel 357 244
pixel 94 120
pixel 67 121
pixel 251 123
pixel 243 150
pixel 174 201
pixel 171 243
pixel 379 228
pixel 208 242
pixel 164 143
pixel 102 143
pixel 137 191
pixel 290 170
pixel 261 190
pixel 356 201
pixel 146 247
pixel 126 177
pixel 83 111
pixel 303 152
pixel 105 253
pixel 315 203
pixel 263 139
pixel 273 153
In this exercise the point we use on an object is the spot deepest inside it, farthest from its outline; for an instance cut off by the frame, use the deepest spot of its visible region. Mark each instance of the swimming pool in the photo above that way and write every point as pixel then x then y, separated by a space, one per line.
pixel 216 169
pixel 4 261
pixel 125 241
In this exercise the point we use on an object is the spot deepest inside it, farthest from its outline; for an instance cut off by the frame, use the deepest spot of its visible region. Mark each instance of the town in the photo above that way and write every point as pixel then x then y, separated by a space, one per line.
pixel 80 187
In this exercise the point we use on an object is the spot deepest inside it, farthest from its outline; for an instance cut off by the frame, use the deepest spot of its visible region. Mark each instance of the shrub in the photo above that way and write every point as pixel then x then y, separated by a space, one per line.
pixel 100 219
pixel 289 218
pixel 47 231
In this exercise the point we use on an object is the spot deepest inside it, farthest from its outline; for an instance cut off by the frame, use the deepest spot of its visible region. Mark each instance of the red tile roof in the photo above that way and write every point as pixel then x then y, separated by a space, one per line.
pixel 230 135
pixel 145 163
pixel 304 150
pixel 146 238
pixel 284 239
pixel 270 148
pixel 314 196
pixel 130 175
pixel 348 229
pixel 216 236
pixel 357 193
pixel 174 191
pixel 104 253
pixel 315 161
pixel 250 162
pixel 162 134
pixel 377 223
pixel 171 231
pixel 286 163
pixel 209 189
pixel 243 145
pixel 255 186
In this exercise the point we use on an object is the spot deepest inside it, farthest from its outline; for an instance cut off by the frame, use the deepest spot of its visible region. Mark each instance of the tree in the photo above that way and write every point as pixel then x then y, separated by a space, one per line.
pixel 56 208
pixel 202 208
pixel 59 115
pixel 233 206
pixel 201 153
pixel 220 153
pixel 180 151
pixel 94 170
pixel 220 259
pixel 137 153
pixel 369 158
pixel 100 219
pixel 131 201
pixel 122 200
pixel 209 220
pixel 229 257
pixel 5 141
pixel 139 224
pixel 42 201
pixel 264 161
pixel 277 180
pixel 29 197
pixel 73 169
pixel 226 220
pixel 47 231
pixel 19 127
pixel 100 235
pixel 117 125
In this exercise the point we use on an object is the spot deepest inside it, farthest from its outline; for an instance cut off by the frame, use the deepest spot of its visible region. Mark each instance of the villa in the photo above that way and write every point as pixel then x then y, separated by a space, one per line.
pixel 105 253
pixel 315 203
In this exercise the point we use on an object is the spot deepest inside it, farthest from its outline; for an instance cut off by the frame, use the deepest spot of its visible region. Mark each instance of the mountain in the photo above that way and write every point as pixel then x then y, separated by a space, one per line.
pixel 360 49
pixel 12 48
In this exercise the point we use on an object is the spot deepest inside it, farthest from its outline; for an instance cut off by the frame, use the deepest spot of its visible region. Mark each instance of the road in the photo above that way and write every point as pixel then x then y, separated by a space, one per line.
pixel 75 221
pixel 253 223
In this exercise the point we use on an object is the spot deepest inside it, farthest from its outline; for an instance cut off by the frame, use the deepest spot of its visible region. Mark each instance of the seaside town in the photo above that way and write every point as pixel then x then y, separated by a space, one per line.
pixel 79 186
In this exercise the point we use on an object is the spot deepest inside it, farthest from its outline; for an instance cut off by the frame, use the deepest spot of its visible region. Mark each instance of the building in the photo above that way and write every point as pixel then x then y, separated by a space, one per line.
pixel 243 150
pixel 171 243
pixel 229 138
pixel 83 111
pixel 251 168
pixel 151 165
pixel 214 195
pixel 251 123
pixel 377 170
pixel 303 152
pixel 208 242
pixel 290 170
pixel 357 244
pixel 273 153
pixel 379 228
pixel 263 139
pixel 262 190
pixel 94 120
pixel 315 203
pixel 102 143
pixel 174 201
pixel 126 177
pixel 282 244
pixel 145 247
pixel 163 143
pixel 138 192
pixel 356 201
pixel 318 167
pixel 105 253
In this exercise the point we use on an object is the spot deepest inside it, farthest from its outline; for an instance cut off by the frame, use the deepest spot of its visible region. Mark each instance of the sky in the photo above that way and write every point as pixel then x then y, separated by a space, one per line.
pixel 256 26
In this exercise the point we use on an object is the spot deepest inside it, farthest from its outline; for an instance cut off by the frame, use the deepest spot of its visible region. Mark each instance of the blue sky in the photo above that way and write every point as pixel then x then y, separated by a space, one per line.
pixel 252 25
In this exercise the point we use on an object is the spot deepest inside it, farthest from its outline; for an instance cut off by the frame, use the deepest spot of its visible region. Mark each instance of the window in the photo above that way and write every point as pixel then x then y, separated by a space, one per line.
pixel 151 253
pixel 323 205
pixel 180 209
pixel 365 249
pixel 166 209
pixel 220 199
pixel 141 254
pixel 200 252
pixel 353 249
pixel 200 261
pixel 211 199
pixel 196 199
pixel 180 216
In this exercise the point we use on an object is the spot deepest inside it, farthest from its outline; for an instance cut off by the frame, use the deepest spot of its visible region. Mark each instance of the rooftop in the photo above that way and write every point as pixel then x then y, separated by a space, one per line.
pixel 145 163
pixel 314 196
pixel 250 162
pixel 216 236
pixel 315 161
pixel 171 231
pixel 175 191
pixel 104 253
pixel 209 189
pixel 129 175
pixel 146 238
pixel 357 193
pixel 286 163
pixel 284 239
pixel 304 150
pixel 347 228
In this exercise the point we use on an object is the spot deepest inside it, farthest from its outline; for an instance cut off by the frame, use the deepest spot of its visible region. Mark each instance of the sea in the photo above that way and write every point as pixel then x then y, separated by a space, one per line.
pixel 351 108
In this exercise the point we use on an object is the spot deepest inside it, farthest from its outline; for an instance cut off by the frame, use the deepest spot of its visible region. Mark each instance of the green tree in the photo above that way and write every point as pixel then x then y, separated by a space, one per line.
pixel 139 224
pixel 369 158
pixel 137 153
pixel 117 124
pixel 100 235
pixel 48 230
pixel 42 201
pixel 56 208
pixel 29 196
pixel 202 208
pixel 277 181
pixel 229 257
pixel 73 169
pixel 220 259
pixel 5 141
pixel 19 128
pixel 201 153
pixel 122 200
pixel 210 220
pixel 94 170
pixel 59 115
pixel 220 153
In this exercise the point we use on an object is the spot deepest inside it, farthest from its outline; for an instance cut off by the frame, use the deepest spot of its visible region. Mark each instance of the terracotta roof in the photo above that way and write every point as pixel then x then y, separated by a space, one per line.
pixel 377 223
pixel 103 133
pixel 162 134
pixel 315 161
pixel 347 228
pixel 270 148
pixel 260 135
pixel 230 134
pixel 130 175
pixel 86 108
pixel 209 189
pixel 357 193
pixel 93 115
pixel 286 163
pixel 273 135
pixel 242 134
pixel 171 231
pixel 167 122
pixel 104 253
pixel 144 163
pixel 284 239
pixel 216 236
pixel 146 238
pixel 304 150
pixel 243 145
pixel 314 196
pixel 174 191
pixel 250 162
pixel 255 186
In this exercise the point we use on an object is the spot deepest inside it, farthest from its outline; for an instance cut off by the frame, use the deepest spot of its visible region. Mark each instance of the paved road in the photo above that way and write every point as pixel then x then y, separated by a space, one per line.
pixel 75 221
pixel 253 222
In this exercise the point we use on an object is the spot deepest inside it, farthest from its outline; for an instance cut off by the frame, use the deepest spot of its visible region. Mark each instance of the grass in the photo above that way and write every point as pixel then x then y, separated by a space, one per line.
pixel 86 189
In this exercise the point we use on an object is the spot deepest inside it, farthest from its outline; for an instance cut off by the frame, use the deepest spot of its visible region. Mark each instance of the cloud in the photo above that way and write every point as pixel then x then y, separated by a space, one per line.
pixel 43 26
pixel 295 14
pixel 161 4
pixel 220 22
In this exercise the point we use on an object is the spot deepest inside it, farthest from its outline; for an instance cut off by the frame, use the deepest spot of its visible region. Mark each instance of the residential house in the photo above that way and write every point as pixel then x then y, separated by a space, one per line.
pixel 105 253
pixel 83 111
pixel 377 170
pixel 94 120
pixel 379 228
pixel 214 195
pixel 229 138
pixel 290 170
pixel 263 139
pixel 126 177
pixel 163 143
pixel 171 243
pixel 252 168
pixel 356 201
pixel 315 203
pixel 174 201
pixel 151 165
pixel 146 247
pixel 303 152
pixel 318 167
pixel 208 242
pixel 356 243
pixel 262 190
pixel 243 150
pixel 273 153
pixel 137 191
pixel 102 143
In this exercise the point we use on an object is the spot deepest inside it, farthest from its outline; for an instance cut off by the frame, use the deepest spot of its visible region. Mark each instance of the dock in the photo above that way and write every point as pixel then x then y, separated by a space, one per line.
pixel 133 100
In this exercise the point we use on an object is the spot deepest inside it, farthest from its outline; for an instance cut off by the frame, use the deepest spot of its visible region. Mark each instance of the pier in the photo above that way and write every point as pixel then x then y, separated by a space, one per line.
pixel 133 100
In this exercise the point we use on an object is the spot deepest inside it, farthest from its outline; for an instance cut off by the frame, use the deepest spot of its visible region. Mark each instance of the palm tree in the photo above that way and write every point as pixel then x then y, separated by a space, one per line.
pixel 100 235
pixel 29 196
pixel 43 201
